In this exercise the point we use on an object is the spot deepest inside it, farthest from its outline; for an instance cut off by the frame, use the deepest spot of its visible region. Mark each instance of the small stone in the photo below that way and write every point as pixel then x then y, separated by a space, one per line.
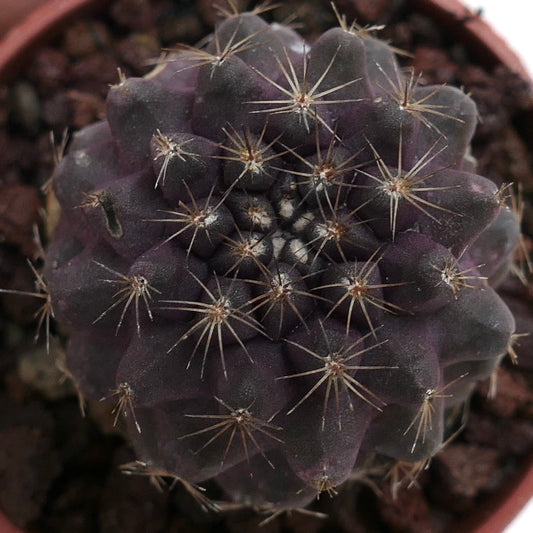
pixel 464 471
pixel 19 213
pixel 94 74
pixel 86 108
pixel 181 28
pixel 435 65
pixel 139 51
pixel 509 436
pixel 512 394
pixel 137 15
pixel 372 11
pixel 56 110
pixel 25 107
pixel 408 513
pixel 85 37
pixel 38 368
pixel 210 16
pixel 20 309
pixel 18 158
pixel 49 70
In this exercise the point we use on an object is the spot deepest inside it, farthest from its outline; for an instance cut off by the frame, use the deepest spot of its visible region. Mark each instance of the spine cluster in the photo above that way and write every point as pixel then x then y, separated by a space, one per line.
pixel 278 262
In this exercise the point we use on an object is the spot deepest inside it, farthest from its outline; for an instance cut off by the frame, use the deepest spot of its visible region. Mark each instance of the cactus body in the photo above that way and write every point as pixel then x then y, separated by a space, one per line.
pixel 271 256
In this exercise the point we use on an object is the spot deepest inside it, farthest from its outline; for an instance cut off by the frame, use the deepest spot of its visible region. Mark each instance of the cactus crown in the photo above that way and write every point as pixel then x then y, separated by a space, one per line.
pixel 277 261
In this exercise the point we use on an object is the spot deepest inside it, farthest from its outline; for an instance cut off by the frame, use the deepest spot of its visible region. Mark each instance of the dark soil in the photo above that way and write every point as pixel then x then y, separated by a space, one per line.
pixel 58 471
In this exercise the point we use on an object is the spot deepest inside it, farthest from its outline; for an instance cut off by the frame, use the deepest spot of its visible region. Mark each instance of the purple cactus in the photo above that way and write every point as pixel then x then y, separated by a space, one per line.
pixel 276 260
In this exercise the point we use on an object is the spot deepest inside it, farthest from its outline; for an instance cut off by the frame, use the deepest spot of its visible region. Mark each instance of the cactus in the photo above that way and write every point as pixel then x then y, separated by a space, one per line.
pixel 277 263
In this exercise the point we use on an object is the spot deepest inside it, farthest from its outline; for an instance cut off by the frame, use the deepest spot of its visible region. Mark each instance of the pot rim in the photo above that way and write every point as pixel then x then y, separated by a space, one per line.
pixel 465 26
pixel 37 27
pixel 6 526
pixel 501 508
pixel 475 33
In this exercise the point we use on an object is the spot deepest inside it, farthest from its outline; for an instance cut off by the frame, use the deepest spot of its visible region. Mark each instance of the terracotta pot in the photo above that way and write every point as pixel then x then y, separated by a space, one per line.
pixel 13 11
pixel 6 526
pixel 38 26
pixel 473 32
pixel 453 16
